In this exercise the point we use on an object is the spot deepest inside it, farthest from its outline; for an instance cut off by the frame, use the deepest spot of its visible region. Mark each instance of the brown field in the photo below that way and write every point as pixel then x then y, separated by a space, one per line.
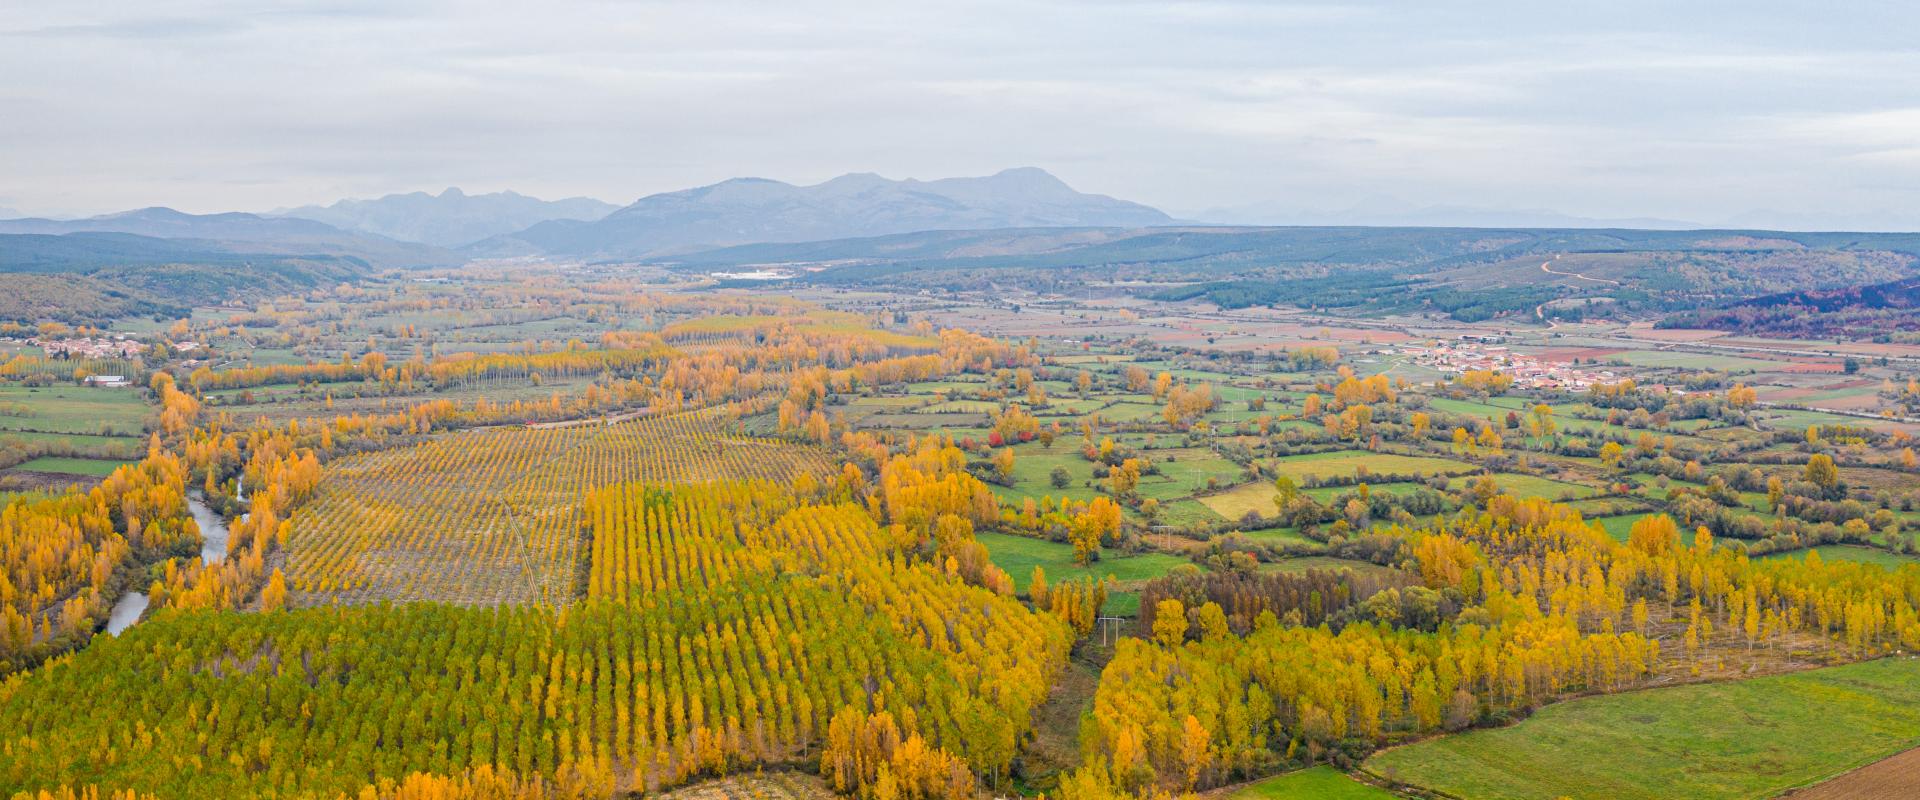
pixel 1875 478
pixel 1890 778
pixel 781 785
pixel 1647 331
pixel 1814 367
pixel 26 480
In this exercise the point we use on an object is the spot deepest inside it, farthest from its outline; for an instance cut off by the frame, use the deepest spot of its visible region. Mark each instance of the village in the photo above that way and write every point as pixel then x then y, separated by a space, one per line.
pixel 1526 371
pixel 120 346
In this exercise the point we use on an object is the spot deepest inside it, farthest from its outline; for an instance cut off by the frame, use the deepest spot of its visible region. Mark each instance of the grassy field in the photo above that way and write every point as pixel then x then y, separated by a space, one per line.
pixel 136 444
pixel 1681 360
pixel 1791 418
pixel 1018 555
pixel 1848 552
pixel 72 466
pixel 1258 496
pixel 1183 511
pixel 1184 471
pixel 1234 503
pixel 1313 783
pixel 1348 462
pixel 1619 527
pixel 1033 466
pixel 1740 739
pixel 73 409
pixel 1533 486
pixel 1496 407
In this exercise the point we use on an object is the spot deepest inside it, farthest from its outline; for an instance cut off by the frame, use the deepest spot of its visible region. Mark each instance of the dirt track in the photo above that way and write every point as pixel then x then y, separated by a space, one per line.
pixel 1550 271
pixel 1896 776
pixel 575 423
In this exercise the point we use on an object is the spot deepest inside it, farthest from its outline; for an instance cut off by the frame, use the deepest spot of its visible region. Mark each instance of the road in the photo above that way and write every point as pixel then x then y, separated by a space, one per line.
pixel 1550 271
pixel 1709 346
pixel 575 423
pixel 1837 411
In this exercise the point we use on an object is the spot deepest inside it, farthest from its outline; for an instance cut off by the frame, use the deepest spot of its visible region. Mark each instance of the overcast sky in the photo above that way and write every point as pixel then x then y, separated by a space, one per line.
pixel 1805 113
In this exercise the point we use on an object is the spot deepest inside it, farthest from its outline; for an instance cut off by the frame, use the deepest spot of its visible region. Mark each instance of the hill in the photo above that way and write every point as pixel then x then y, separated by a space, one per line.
pixel 96 277
pixel 1198 250
pixel 749 210
pixel 1900 294
pixel 233 233
pixel 1872 310
pixel 451 218
pixel 1467 273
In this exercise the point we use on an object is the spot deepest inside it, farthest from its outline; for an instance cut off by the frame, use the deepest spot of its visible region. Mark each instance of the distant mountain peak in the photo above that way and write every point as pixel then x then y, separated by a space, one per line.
pixel 1029 174
pixel 450 218
pixel 859 204
pixel 150 212
pixel 858 180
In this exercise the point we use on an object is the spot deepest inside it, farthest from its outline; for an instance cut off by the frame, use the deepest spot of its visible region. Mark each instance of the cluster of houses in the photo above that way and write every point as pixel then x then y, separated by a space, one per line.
pixel 1526 371
pixel 90 347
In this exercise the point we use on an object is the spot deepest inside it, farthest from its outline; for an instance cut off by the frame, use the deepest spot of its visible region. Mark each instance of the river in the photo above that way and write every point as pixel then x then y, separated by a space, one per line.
pixel 213 548
pixel 126 612
pixel 213 530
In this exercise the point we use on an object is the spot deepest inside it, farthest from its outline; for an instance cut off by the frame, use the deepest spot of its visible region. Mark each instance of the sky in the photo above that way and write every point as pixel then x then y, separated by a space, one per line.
pixel 1768 114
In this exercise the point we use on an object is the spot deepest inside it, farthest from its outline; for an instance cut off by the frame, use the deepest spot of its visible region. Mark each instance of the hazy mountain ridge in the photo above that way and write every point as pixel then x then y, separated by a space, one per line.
pixel 450 219
pixel 89 277
pixel 757 210
pixel 233 233
pixel 1192 248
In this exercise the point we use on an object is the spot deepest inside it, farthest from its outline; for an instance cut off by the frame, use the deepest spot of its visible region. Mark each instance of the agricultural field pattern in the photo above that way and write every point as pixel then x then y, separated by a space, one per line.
pixel 946 401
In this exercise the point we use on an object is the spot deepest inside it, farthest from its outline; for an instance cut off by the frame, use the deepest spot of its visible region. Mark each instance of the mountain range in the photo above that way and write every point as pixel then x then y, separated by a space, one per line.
pixel 420 229
pixel 451 218
pixel 752 210
pixel 233 233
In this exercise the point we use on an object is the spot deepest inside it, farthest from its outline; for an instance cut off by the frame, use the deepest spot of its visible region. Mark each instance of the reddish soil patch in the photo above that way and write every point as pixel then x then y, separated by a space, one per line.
pixel 1896 776
pixel 26 480
pixel 1812 367
pixel 1852 384
pixel 1884 349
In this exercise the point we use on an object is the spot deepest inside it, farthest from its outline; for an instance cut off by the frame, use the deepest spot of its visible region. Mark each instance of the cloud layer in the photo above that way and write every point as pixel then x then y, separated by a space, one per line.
pixel 1754 112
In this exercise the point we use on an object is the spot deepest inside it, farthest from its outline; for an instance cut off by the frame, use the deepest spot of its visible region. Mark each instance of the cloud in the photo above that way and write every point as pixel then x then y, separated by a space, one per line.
pixel 1884 135
pixel 1632 110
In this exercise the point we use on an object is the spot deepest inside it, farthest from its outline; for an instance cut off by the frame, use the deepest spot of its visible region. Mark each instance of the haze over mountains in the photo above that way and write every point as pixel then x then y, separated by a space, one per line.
pixel 751 210
pixel 232 232
pixel 1020 225
pixel 421 229
pixel 451 218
